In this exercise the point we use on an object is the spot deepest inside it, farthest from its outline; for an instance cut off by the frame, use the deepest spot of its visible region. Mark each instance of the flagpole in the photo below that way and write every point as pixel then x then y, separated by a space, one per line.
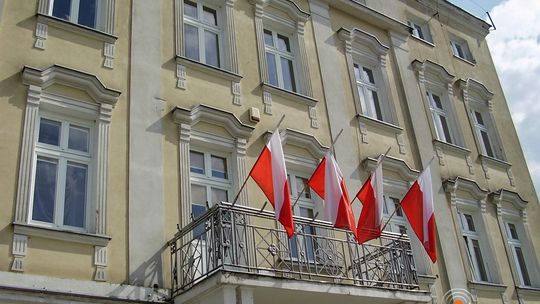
pixel 276 129
pixel 383 156
pixel 306 185
pixel 399 203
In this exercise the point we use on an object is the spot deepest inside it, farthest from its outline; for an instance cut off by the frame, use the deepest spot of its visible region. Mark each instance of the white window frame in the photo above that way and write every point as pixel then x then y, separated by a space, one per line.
pixel 366 87
pixel 364 50
pixel 278 55
pixel 287 19
pixel 478 98
pixel 420 29
pixel 398 221
pixel 63 155
pixel 477 235
pixel 202 27
pixel 435 79
pixel 312 203
pixel 437 113
pixel 514 244
pixel 74 13
pixel 458 45
pixel 207 180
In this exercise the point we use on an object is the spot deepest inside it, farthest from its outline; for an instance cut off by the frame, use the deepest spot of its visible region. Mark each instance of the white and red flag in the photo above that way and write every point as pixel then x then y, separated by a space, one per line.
pixel 418 206
pixel 371 195
pixel 327 182
pixel 270 174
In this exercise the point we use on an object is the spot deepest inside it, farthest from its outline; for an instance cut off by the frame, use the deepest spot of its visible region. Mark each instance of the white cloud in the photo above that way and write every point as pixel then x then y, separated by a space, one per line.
pixel 515 47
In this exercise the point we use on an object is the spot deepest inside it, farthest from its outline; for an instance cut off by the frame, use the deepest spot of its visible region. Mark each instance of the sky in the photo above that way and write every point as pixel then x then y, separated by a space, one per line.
pixel 515 48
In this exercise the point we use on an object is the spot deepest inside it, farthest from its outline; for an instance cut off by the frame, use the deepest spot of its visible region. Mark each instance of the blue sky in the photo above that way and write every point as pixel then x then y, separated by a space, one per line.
pixel 515 48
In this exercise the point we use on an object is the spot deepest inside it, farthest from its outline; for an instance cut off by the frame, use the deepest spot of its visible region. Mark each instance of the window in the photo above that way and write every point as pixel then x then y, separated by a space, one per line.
pixel 420 29
pixel 210 182
pixel 514 241
pixel 367 90
pixel 366 62
pixel 398 222
pixel 472 239
pixel 482 133
pixel 61 181
pixel 479 107
pixel 279 60
pixel 202 33
pixel 439 116
pixel 83 12
pixel 303 241
pixel 460 49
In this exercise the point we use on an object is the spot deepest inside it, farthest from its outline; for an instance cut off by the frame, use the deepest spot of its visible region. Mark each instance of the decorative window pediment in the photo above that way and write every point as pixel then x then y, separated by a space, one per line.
pixel 393 164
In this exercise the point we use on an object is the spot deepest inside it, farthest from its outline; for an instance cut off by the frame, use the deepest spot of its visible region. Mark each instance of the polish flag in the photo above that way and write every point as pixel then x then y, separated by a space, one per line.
pixel 418 206
pixel 371 196
pixel 327 182
pixel 270 174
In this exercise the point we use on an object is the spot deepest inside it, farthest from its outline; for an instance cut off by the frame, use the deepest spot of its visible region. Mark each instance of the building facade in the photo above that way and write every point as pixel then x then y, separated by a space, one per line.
pixel 129 127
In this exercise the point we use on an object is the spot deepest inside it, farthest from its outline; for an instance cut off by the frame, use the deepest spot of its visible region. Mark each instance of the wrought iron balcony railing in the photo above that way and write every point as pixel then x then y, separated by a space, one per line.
pixel 244 240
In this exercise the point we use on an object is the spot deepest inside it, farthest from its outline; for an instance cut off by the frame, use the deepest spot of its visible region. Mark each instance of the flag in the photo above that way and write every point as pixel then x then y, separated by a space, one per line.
pixel 327 182
pixel 371 196
pixel 418 206
pixel 270 174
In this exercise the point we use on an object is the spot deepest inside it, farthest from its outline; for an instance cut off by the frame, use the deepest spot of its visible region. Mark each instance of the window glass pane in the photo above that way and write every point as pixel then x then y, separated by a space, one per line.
pixel 301 185
pixel 377 105
pixel 479 261
pixel 288 75
pixel 75 196
pixel 198 195
pixel 272 69
pixel 368 75
pixel 191 39
pixel 49 132
pixel 478 117
pixel 470 222
pixel 209 16
pixel 399 211
pixel 385 205
pixel 219 195
pixel 513 231
pixel 78 138
pixel 211 48
pixel 522 267
pixel 197 211
pixel 283 43
pixel 458 50
pixel 268 38
pixel 44 190
pixel 219 167
pixel 402 229
pixel 62 9
pixel 190 9
pixel 445 129
pixel 437 102
pixel 487 143
pixel 196 162
pixel 357 72
pixel 419 32
pixel 87 13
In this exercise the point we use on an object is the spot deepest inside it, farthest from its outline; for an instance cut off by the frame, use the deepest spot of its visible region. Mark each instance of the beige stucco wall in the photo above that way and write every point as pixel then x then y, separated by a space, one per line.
pixel 46 256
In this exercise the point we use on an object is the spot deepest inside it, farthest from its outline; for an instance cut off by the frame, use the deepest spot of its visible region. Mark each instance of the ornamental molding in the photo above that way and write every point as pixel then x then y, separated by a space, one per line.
pixel 214 116
pixel 57 74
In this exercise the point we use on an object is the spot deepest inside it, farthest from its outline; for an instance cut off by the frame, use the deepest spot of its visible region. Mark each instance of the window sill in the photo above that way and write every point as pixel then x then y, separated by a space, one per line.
pixel 76 28
pixel 486 286
pixel 427 279
pixel 448 147
pixel 473 63
pixel 60 234
pixel 495 162
pixel 389 127
pixel 289 94
pixel 527 290
pixel 202 67
pixel 428 43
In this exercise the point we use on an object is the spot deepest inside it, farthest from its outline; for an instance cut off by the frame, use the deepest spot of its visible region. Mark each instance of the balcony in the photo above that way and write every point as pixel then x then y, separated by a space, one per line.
pixel 246 243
